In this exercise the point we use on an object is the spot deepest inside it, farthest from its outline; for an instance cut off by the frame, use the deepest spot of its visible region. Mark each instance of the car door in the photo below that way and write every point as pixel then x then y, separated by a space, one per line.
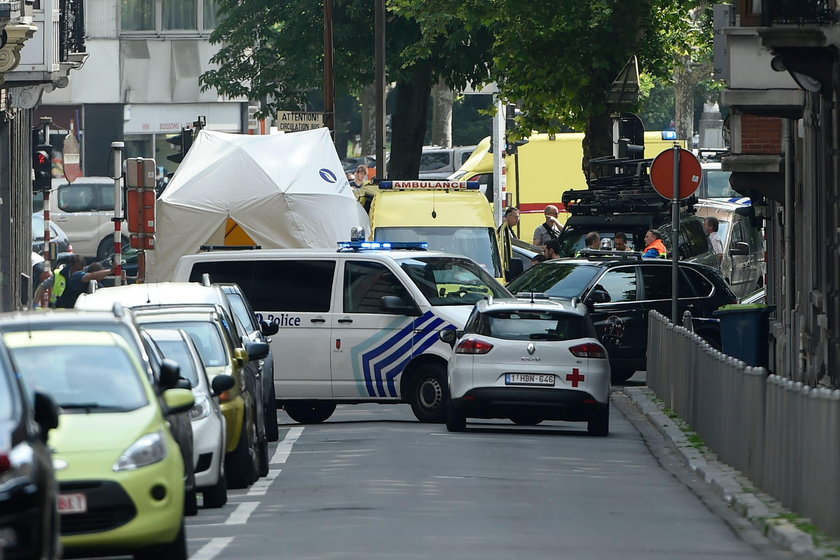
pixel 296 295
pixel 370 347
pixel 742 270
pixel 619 322
pixel 656 293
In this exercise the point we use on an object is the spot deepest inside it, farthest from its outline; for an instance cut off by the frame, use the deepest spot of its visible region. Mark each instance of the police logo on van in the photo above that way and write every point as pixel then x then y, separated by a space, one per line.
pixel 327 175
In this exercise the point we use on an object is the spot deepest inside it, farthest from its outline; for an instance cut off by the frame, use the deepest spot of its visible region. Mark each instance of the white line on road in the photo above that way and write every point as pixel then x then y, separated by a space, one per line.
pixel 212 548
pixel 241 514
pixel 260 487
pixel 285 447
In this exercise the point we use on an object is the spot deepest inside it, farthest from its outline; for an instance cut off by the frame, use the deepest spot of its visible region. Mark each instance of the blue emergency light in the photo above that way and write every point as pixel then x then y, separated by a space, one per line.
pixel 669 134
pixel 415 185
pixel 383 245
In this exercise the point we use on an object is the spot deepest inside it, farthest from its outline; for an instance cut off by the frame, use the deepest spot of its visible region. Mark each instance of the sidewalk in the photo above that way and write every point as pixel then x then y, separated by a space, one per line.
pixel 785 529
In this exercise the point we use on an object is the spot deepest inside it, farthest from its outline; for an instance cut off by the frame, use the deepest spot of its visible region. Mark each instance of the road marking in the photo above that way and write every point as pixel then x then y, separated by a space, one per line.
pixel 241 514
pixel 285 447
pixel 212 548
pixel 260 487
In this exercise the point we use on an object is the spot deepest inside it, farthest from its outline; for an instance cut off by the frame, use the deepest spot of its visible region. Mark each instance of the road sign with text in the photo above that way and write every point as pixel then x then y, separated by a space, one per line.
pixel 295 121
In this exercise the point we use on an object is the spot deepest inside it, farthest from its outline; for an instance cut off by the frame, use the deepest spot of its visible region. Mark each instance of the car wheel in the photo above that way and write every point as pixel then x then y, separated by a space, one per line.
pixel 621 375
pixel 272 431
pixel 599 424
pixel 427 394
pixel 239 464
pixel 176 550
pixel 526 420
pixel 106 247
pixel 309 412
pixel 216 496
pixel 191 502
pixel 455 421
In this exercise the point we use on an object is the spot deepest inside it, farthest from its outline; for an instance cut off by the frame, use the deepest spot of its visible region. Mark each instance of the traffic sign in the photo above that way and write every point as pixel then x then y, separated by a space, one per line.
pixel 72 161
pixel 294 121
pixel 662 173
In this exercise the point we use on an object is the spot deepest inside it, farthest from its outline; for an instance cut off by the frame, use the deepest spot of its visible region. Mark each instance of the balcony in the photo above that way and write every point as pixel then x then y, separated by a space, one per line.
pixel 799 12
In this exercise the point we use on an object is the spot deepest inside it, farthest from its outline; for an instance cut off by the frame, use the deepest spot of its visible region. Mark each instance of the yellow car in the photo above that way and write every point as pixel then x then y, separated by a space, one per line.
pixel 120 473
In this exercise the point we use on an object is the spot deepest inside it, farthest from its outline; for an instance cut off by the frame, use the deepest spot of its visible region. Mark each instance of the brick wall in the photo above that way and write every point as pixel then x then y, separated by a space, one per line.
pixel 760 135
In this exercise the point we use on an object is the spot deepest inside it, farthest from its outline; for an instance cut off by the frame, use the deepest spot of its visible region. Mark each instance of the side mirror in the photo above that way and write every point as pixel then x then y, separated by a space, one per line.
pixel 739 248
pixel 222 383
pixel 397 306
pixel 183 384
pixel 268 329
pixel 256 350
pixel 178 400
pixel 448 336
pixel 46 414
pixel 599 295
pixel 170 373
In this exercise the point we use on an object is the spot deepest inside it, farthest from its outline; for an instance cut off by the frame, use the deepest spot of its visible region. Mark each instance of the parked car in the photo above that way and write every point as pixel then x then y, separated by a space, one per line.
pixel 57 236
pixel 439 163
pixel 620 290
pixel 208 423
pixel 528 360
pixel 84 209
pixel 28 488
pixel 121 484
pixel 743 264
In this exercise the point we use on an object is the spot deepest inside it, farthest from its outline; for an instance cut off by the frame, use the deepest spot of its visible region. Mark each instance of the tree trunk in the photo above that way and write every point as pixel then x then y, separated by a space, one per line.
pixel 442 99
pixel 408 122
pixel 685 81
pixel 598 140
pixel 367 99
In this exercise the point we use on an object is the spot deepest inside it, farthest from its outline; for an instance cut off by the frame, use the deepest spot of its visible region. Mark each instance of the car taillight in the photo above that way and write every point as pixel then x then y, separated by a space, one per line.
pixel 473 346
pixel 5 463
pixel 588 350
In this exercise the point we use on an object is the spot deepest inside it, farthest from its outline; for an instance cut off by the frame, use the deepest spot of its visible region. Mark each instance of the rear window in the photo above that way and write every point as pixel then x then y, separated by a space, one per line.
pixel 526 324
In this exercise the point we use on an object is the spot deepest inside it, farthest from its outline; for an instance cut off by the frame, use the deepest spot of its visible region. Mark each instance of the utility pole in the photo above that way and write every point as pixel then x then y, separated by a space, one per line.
pixel 379 86
pixel 329 75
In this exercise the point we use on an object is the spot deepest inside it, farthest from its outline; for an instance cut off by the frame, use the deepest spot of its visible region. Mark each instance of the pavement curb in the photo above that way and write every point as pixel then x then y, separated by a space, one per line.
pixel 759 509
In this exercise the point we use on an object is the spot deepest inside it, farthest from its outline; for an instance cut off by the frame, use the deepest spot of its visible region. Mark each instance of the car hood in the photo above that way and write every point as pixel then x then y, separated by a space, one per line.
pixel 454 314
pixel 79 433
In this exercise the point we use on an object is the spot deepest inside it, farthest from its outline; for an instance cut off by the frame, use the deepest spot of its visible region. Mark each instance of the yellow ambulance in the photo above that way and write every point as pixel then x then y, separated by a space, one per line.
pixel 548 165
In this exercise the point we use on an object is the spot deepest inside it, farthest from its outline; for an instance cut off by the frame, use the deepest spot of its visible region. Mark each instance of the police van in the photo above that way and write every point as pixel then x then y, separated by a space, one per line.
pixel 356 325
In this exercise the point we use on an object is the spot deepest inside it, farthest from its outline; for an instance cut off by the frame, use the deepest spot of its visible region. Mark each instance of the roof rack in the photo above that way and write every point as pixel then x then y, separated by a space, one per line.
pixel 602 254
pixel 229 247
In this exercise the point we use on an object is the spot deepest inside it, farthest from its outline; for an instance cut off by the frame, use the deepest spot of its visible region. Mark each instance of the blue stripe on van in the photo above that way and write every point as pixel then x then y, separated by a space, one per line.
pixel 418 347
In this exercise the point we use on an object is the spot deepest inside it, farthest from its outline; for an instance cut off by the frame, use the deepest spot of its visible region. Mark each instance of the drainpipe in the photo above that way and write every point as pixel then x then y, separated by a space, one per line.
pixel 788 140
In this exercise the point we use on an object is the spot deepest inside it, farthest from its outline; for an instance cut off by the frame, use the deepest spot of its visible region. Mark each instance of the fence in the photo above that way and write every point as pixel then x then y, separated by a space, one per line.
pixel 783 435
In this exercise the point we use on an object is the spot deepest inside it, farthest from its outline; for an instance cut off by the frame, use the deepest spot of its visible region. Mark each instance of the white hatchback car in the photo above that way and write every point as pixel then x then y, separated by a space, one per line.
pixel 208 423
pixel 528 360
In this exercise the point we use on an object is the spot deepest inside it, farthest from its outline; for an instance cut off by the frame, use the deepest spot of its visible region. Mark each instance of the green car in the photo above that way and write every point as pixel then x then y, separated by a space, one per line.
pixel 120 473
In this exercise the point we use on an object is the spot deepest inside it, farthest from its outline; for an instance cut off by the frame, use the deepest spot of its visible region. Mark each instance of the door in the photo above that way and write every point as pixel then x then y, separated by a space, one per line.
pixel 369 347
pixel 619 322
pixel 656 294
pixel 296 295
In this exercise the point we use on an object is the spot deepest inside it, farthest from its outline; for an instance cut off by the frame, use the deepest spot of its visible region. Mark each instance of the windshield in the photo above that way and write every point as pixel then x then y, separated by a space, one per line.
pixel 451 280
pixel 477 243
pixel 556 279
pixel 241 310
pixel 716 184
pixel 90 378
pixel 177 350
pixel 205 335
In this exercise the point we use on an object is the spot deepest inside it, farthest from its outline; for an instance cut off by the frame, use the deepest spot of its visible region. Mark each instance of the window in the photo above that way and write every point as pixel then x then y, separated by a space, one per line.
pixel 530 325
pixel 657 283
pixel 77 198
pixel 163 16
pixel 238 272
pixel 302 286
pixel 620 284
pixel 366 283
pixel 429 161
pixel 702 286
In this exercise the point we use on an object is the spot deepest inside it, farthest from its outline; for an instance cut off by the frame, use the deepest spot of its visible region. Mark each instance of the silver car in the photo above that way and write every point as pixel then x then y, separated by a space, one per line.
pixel 208 423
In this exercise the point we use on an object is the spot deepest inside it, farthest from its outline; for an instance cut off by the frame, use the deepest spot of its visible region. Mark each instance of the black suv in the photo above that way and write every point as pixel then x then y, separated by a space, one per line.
pixel 620 290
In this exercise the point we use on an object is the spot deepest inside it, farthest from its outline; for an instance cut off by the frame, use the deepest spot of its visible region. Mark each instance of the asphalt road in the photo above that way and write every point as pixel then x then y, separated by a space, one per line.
pixel 373 483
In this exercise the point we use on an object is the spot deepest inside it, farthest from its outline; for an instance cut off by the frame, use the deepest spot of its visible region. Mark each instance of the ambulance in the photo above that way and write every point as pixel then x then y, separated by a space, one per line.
pixel 544 168
pixel 451 216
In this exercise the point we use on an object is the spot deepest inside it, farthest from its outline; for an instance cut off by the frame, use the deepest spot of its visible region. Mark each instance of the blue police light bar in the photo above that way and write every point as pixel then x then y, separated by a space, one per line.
pixel 383 245
pixel 429 185
pixel 669 134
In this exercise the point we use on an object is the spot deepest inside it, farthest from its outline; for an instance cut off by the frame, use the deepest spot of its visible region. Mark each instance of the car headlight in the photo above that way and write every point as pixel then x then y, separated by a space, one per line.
pixel 148 450
pixel 18 467
pixel 201 408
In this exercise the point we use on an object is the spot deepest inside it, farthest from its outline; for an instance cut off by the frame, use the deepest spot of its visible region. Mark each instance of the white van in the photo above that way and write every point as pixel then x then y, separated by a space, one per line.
pixel 355 325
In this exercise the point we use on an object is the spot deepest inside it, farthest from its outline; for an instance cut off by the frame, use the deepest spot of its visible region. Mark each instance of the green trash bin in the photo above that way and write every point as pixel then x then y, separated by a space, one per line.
pixel 744 332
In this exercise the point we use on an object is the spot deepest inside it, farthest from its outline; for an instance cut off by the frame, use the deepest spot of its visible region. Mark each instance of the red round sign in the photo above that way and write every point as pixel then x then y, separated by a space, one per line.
pixel 662 173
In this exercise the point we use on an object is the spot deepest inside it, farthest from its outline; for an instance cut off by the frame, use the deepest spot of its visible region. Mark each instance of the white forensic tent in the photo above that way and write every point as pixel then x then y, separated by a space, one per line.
pixel 284 190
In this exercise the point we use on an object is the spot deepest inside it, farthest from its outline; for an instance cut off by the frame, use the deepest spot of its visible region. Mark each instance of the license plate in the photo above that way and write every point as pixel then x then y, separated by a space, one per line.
pixel 528 379
pixel 72 503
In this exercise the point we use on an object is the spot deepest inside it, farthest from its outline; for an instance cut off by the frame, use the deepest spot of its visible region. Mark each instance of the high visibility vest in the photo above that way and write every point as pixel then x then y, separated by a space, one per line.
pixel 59 284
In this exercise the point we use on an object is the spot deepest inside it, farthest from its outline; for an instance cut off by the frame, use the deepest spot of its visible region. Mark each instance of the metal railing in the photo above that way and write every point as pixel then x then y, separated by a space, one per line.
pixel 820 12
pixel 783 436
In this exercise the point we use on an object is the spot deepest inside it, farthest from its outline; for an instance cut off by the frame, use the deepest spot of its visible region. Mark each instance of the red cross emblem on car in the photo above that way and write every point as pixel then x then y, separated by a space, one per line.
pixel 575 377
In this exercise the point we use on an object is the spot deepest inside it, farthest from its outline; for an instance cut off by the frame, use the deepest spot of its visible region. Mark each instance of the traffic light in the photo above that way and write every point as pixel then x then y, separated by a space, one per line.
pixel 183 141
pixel 42 166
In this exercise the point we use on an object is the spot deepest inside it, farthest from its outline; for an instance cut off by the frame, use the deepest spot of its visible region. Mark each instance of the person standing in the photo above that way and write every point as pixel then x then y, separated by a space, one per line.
pixel 507 235
pixel 711 225
pixel 550 229
pixel 654 247
pixel 620 241
pixel 593 240
pixel 79 279
pixel 551 250
pixel 359 177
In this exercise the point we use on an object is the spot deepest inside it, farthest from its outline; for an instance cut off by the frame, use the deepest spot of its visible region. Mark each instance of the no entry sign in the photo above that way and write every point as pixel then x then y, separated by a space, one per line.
pixel 662 173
